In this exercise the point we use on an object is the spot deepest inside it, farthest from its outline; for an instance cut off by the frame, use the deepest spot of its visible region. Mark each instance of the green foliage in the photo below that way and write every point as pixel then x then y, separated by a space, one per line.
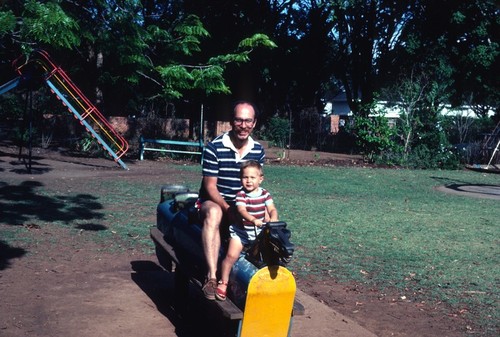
pixel 431 149
pixel 374 136
pixel 189 34
pixel 88 144
pixel 41 18
pixel 37 24
pixel 139 44
pixel 423 157
pixel 461 54
pixel 12 106
pixel 209 77
pixel 175 78
pixel 257 40
pixel 277 131
pixel 21 135
pixel 7 22
pixel 419 95
pixel 245 47
pixel 210 80
pixel 222 60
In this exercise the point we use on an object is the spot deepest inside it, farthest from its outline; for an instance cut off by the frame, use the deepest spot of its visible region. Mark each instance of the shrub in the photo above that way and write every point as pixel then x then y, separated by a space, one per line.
pixel 374 136
pixel 277 131
pixel 423 157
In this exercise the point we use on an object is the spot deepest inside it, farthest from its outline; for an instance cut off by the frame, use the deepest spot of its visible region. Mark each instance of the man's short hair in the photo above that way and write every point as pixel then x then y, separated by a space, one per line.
pixel 235 104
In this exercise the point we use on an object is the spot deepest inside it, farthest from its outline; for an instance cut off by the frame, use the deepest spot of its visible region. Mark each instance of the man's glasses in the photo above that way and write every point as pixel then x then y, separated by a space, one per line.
pixel 240 121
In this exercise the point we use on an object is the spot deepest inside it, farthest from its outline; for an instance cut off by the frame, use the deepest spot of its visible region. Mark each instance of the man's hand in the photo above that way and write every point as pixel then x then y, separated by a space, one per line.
pixel 232 215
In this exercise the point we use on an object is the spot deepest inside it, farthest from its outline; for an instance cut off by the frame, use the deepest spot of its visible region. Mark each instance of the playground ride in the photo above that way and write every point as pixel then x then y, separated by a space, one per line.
pixel 261 290
pixel 39 66
pixel 490 148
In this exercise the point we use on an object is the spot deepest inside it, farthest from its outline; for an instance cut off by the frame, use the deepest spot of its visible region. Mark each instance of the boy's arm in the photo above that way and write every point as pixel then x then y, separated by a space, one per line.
pixel 242 210
pixel 273 212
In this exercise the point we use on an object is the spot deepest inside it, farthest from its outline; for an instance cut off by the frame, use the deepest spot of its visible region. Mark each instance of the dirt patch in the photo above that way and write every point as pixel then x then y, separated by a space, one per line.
pixel 312 158
pixel 59 282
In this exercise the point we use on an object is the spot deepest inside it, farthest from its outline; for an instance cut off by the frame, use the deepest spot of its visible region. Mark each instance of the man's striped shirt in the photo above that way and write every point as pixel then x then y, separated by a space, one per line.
pixel 222 160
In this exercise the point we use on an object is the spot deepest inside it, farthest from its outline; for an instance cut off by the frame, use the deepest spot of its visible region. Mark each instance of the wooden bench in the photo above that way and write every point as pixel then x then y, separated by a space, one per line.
pixel 228 308
pixel 144 141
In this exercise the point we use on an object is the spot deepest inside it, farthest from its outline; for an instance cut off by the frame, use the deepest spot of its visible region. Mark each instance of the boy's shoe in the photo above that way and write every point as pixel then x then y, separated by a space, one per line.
pixel 219 293
pixel 209 289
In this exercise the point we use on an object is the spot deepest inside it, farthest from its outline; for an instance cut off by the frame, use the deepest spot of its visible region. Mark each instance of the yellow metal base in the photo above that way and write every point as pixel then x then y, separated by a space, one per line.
pixel 269 303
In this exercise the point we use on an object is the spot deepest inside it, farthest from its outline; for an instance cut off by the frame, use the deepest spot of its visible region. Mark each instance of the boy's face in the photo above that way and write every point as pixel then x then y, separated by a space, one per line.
pixel 251 178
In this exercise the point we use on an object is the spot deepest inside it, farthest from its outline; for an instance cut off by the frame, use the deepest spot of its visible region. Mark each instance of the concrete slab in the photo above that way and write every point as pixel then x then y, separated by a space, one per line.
pixel 321 321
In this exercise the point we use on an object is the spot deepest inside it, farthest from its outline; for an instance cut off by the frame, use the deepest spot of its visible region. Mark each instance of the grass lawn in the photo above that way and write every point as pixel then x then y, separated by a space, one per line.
pixel 391 228
pixel 380 227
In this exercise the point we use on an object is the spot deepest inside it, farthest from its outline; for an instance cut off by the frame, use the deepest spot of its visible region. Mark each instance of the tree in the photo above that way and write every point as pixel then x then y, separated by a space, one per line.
pixel 366 34
pixel 463 37
pixel 129 51
pixel 24 26
pixel 149 55
pixel 474 41
pixel 408 96
pixel 38 19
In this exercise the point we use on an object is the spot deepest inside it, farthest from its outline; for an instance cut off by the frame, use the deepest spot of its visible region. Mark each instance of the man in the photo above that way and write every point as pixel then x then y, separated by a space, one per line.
pixel 221 181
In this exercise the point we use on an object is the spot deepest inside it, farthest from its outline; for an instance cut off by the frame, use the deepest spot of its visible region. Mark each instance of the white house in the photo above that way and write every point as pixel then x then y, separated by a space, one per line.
pixel 338 106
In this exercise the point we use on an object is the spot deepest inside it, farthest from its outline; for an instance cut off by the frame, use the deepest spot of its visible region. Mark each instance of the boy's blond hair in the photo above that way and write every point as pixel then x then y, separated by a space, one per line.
pixel 251 163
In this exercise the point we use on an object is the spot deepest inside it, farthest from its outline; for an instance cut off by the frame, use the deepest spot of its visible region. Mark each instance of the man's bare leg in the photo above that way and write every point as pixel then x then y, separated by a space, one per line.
pixel 210 237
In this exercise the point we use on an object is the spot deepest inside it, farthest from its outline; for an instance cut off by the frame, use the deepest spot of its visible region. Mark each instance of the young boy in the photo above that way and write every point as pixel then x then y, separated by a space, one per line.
pixel 252 203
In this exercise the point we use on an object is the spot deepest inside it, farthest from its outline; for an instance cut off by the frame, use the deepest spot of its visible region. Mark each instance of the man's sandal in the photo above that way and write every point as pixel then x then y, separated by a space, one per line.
pixel 219 293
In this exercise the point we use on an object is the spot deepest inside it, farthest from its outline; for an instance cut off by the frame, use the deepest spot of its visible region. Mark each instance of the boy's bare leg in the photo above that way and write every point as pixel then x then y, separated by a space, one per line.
pixel 233 253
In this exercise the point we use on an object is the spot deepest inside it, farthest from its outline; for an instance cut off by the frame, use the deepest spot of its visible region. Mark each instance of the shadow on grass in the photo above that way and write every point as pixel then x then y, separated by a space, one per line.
pixel 91 227
pixel 31 168
pixel 23 203
pixel 7 253
pixel 450 181
pixel 193 315
pixel 26 205
pixel 464 188
pixel 22 164
pixel 481 189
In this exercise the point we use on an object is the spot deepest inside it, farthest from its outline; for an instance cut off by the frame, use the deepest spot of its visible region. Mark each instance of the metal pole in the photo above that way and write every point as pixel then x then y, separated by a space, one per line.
pixel 493 154
pixel 201 124
pixel 289 132
pixel 30 128
pixel 202 137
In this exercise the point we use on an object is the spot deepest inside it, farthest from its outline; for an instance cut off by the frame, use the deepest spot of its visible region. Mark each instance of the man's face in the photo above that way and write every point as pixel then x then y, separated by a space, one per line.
pixel 243 122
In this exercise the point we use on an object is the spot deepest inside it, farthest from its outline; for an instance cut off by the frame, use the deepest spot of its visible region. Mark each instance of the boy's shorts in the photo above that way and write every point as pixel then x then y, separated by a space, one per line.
pixel 246 237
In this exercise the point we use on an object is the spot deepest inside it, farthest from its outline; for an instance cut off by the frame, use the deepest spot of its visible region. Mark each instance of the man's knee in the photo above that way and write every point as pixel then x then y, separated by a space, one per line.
pixel 211 214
